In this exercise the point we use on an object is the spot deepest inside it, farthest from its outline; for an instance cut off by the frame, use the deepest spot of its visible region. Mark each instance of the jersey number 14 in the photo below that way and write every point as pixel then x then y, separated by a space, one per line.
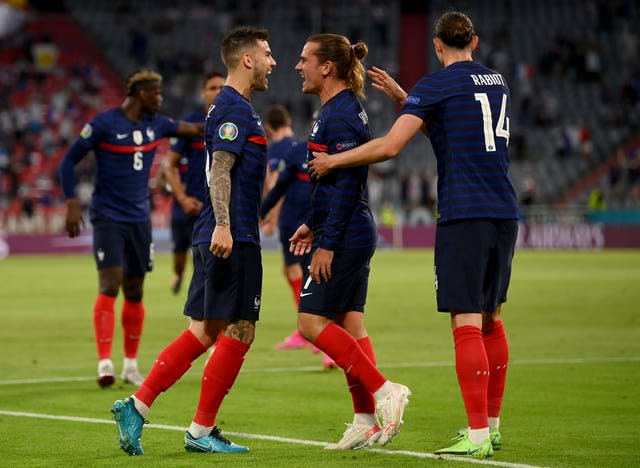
pixel 502 127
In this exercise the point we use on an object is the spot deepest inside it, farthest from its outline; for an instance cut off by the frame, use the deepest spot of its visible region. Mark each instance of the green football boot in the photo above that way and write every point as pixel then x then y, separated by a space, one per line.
pixel 494 437
pixel 464 448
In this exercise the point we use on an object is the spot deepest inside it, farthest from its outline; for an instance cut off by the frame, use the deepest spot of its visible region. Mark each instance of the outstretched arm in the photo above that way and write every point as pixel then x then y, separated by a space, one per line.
pixel 220 193
pixel 190 129
pixel 382 81
pixel 376 150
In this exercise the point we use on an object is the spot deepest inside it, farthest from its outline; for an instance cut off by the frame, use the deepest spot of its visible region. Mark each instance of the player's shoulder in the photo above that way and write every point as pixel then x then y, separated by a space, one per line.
pixel 230 103
pixel 344 101
pixel 113 114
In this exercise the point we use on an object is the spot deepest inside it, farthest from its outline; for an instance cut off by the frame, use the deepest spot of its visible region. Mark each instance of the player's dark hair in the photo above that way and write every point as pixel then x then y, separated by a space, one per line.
pixel 209 74
pixel 141 79
pixel 455 29
pixel 237 41
pixel 347 57
pixel 277 117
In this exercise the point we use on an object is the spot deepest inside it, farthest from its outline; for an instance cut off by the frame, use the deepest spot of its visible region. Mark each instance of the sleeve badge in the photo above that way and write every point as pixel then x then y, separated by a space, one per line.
pixel 228 131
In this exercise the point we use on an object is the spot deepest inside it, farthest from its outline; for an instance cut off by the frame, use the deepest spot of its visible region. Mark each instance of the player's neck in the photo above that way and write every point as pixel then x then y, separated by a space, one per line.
pixel 330 89
pixel 241 85
pixel 451 58
pixel 132 109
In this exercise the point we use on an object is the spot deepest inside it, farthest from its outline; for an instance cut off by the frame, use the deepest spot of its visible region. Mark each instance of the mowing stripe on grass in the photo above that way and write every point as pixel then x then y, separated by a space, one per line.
pixel 396 365
pixel 285 440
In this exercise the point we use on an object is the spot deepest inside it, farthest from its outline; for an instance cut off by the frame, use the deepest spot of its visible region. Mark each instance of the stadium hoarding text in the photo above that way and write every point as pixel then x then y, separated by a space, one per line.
pixel 542 236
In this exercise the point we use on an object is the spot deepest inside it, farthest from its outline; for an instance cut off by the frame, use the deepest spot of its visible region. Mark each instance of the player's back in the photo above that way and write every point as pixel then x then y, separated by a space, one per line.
pixel 467 108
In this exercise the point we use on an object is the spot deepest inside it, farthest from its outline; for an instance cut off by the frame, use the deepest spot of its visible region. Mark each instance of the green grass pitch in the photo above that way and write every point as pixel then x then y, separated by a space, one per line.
pixel 572 320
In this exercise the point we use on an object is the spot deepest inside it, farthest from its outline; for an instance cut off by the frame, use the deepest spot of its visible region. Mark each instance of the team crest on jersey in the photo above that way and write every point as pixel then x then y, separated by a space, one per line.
pixel 151 134
pixel 86 131
pixel 228 131
pixel 137 137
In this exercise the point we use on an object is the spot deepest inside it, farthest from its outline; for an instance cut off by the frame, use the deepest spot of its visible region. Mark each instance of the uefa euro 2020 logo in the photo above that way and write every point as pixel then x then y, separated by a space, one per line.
pixel 228 131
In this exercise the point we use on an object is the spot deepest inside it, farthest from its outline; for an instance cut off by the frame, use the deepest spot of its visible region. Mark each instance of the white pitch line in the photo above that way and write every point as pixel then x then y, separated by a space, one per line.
pixel 396 365
pixel 285 440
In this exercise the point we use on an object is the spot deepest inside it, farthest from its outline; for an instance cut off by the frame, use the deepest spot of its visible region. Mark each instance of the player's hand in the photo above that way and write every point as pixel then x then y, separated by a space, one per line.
pixel 320 268
pixel 190 205
pixel 221 242
pixel 74 222
pixel 319 166
pixel 382 81
pixel 301 241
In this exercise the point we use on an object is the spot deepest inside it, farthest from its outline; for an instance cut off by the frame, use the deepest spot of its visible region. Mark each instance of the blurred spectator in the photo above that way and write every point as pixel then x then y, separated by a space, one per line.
pixel 528 191
pixel 388 216
pixel 596 200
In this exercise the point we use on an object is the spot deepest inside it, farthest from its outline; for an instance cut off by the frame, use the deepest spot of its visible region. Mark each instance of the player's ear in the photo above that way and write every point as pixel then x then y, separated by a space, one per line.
pixel 474 42
pixel 247 60
pixel 327 68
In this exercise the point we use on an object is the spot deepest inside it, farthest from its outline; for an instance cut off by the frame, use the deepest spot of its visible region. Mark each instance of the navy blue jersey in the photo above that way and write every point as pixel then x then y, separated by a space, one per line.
pixel 467 109
pixel 191 167
pixel 124 151
pixel 293 183
pixel 277 151
pixel 233 125
pixel 340 216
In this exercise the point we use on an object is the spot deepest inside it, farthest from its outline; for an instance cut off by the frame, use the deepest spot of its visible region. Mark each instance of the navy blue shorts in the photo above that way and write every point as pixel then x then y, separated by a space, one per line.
pixel 126 245
pixel 225 288
pixel 473 264
pixel 289 258
pixel 346 291
pixel 182 233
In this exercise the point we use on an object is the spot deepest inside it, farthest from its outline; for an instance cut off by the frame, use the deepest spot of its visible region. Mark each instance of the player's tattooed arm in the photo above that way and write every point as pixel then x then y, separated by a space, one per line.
pixel 220 185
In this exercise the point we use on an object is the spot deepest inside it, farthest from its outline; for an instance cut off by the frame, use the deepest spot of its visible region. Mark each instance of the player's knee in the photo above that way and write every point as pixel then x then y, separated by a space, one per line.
pixel 242 330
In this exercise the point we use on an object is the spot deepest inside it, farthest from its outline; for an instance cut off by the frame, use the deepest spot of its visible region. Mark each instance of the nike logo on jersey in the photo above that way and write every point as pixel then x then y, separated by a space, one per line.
pixel 305 294
pixel 120 136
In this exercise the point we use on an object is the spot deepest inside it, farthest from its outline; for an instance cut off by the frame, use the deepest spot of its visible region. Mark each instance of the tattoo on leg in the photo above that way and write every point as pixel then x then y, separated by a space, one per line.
pixel 242 330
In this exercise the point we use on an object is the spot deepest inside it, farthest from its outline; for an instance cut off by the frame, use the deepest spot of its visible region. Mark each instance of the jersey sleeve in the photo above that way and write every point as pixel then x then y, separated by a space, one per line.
pixel 422 99
pixel 227 132
pixel 93 133
pixel 168 126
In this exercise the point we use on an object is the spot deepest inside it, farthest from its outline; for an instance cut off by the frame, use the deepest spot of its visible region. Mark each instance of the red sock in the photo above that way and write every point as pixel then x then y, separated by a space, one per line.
pixel 132 318
pixel 363 401
pixel 103 323
pixel 296 287
pixel 344 350
pixel 172 362
pixel 472 368
pixel 495 342
pixel 219 375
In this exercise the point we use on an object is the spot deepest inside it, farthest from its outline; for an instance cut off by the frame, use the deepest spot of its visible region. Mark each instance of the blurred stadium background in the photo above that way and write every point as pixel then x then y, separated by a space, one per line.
pixel 573 67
